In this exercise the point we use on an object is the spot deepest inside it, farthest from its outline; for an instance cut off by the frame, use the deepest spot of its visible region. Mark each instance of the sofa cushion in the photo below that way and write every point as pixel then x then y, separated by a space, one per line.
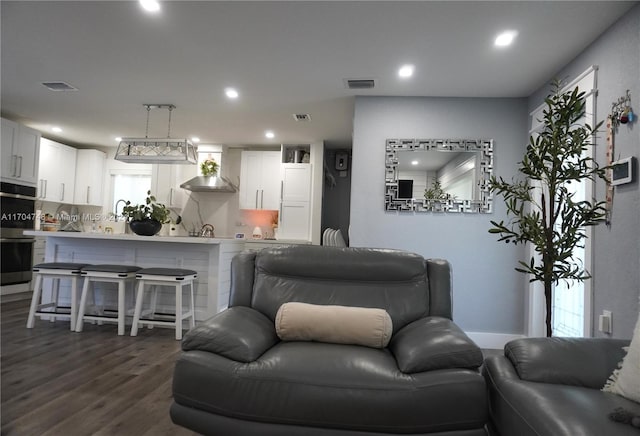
pixel 626 380
pixel 434 343
pixel 331 386
pixel 570 361
pixel 334 324
pixel 526 408
pixel 392 280
pixel 238 333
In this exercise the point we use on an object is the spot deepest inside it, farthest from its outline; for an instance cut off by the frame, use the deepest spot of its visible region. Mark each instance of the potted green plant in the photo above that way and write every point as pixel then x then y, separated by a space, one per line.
pixel 146 219
pixel 209 167
pixel 545 213
pixel 436 192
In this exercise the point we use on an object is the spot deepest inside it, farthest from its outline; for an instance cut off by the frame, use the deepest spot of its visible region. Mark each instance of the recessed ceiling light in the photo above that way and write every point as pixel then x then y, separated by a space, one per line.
pixel 118 138
pixel 406 71
pixel 269 134
pixel 231 93
pixel 56 129
pixel 195 139
pixel 150 5
pixel 505 38
pixel 414 162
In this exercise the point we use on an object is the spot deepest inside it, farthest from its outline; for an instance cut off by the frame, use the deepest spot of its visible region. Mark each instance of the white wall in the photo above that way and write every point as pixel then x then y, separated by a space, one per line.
pixel 488 295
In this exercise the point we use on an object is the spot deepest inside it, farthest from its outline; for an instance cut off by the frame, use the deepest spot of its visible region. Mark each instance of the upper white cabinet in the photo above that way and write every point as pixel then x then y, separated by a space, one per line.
pixel 56 172
pixel 296 182
pixel 165 184
pixel 90 168
pixel 20 153
pixel 260 180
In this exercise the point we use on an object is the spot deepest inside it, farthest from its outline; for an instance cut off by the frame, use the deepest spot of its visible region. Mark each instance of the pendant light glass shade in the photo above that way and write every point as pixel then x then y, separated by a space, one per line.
pixel 157 150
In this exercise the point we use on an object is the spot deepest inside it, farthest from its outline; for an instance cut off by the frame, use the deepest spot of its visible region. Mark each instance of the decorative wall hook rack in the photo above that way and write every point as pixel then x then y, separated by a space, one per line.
pixel 625 100
pixel 621 112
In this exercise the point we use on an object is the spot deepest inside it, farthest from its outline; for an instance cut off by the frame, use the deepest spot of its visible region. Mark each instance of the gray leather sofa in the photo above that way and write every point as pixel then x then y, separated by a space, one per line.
pixel 551 387
pixel 235 377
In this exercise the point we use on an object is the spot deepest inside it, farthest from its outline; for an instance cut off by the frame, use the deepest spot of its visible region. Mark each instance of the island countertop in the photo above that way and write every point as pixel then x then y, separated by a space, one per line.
pixel 209 257
pixel 131 237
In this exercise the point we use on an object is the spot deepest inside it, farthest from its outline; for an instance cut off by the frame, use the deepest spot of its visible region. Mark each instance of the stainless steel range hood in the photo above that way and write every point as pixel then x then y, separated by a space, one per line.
pixel 209 184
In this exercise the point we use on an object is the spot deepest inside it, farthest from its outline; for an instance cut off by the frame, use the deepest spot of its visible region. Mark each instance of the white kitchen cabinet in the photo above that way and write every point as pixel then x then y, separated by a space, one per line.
pixel 165 184
pixel 90 168
pixel 260 180
pixel 56 172
pixel 296 182
pixel 39 248
pixel 294 220
pixel 295 206
pixel 258 244
pixel 20 153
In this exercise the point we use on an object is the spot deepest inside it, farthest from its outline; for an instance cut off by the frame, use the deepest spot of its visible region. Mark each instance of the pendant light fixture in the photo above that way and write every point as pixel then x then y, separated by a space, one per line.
pixel 157 150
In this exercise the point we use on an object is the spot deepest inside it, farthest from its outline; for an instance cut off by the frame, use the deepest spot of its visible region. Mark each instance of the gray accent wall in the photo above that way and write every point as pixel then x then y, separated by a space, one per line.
pixel 336 195
pixel 488 294
pixel 616 273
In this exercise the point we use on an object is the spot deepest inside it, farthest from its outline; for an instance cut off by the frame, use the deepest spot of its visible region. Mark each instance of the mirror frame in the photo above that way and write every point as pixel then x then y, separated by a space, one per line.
pixel 482 205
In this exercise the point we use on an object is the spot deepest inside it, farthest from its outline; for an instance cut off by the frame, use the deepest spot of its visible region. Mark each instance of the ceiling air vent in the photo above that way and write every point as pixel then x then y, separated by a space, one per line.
pixel 359 83
pixel 59 86
pixel 302 117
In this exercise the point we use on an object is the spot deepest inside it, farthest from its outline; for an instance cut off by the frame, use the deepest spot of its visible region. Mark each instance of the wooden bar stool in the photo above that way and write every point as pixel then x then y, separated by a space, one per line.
pixel 55 271
pixel 118 274
pixel 176 277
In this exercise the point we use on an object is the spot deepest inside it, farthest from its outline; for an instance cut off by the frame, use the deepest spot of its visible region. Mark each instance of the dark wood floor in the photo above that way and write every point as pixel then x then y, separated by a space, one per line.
pixel 55 382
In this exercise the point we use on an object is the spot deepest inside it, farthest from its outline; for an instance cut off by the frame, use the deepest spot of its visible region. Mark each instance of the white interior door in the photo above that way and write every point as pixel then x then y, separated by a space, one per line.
pixel 572 300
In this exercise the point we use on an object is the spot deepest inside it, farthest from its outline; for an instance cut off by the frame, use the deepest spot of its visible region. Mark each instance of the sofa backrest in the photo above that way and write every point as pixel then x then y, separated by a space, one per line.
pixel 406 285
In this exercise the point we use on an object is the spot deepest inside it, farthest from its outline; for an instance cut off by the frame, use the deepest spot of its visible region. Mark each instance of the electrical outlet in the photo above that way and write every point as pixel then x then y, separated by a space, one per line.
pixel 605 322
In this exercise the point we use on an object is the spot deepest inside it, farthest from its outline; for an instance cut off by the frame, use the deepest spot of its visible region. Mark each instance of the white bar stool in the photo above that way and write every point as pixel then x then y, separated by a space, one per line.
pixel 176 277
pixel 120 274
pixel 55 271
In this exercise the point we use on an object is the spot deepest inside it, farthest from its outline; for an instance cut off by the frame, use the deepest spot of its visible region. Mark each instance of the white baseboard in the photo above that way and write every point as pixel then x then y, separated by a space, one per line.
pixel 494 341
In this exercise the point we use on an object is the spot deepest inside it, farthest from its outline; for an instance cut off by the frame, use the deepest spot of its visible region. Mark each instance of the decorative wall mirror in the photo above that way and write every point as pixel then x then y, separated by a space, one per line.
pixel 438 175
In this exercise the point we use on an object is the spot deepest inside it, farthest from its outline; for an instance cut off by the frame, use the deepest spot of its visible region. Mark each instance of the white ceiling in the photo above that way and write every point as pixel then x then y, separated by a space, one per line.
pixel 283 57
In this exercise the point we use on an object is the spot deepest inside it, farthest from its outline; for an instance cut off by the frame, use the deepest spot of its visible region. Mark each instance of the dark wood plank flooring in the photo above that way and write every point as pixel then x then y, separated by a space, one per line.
pixel 58 382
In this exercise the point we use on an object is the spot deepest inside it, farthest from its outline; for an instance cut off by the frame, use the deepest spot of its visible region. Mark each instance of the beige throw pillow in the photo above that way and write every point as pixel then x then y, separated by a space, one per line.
pixel 334 324
pixel 625 381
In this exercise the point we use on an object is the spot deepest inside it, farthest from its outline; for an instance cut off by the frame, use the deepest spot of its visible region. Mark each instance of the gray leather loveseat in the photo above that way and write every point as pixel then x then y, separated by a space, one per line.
pixel 551 387
pixel 236 377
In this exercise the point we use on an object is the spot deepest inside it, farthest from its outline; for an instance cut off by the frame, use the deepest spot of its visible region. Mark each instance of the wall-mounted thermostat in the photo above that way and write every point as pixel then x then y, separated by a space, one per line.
pixel 622 171
pixel 342 161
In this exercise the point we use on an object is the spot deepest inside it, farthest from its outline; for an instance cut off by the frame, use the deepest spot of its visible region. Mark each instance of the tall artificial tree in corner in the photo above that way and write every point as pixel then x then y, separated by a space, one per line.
pixel 541 208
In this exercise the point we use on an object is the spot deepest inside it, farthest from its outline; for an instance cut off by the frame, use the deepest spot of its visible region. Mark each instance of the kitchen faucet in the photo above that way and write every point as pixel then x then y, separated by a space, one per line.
pixel 115 208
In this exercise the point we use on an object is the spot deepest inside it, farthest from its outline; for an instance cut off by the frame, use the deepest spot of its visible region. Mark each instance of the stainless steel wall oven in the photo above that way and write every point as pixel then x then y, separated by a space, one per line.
pixel 17 207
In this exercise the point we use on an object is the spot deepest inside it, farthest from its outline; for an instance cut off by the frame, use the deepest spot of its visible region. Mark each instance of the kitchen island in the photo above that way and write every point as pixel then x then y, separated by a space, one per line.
pixel 210 257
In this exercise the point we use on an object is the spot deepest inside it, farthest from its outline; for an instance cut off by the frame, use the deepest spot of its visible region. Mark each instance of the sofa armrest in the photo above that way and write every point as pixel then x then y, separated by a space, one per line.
pixel 238 333
pixel 584 362
pixel 434 343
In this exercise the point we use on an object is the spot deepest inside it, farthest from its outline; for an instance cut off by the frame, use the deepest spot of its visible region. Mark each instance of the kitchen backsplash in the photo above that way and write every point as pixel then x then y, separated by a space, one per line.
pixel 265 220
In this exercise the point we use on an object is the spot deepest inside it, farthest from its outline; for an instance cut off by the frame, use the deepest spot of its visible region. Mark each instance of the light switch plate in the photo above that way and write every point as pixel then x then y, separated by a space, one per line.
pixel 605 322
